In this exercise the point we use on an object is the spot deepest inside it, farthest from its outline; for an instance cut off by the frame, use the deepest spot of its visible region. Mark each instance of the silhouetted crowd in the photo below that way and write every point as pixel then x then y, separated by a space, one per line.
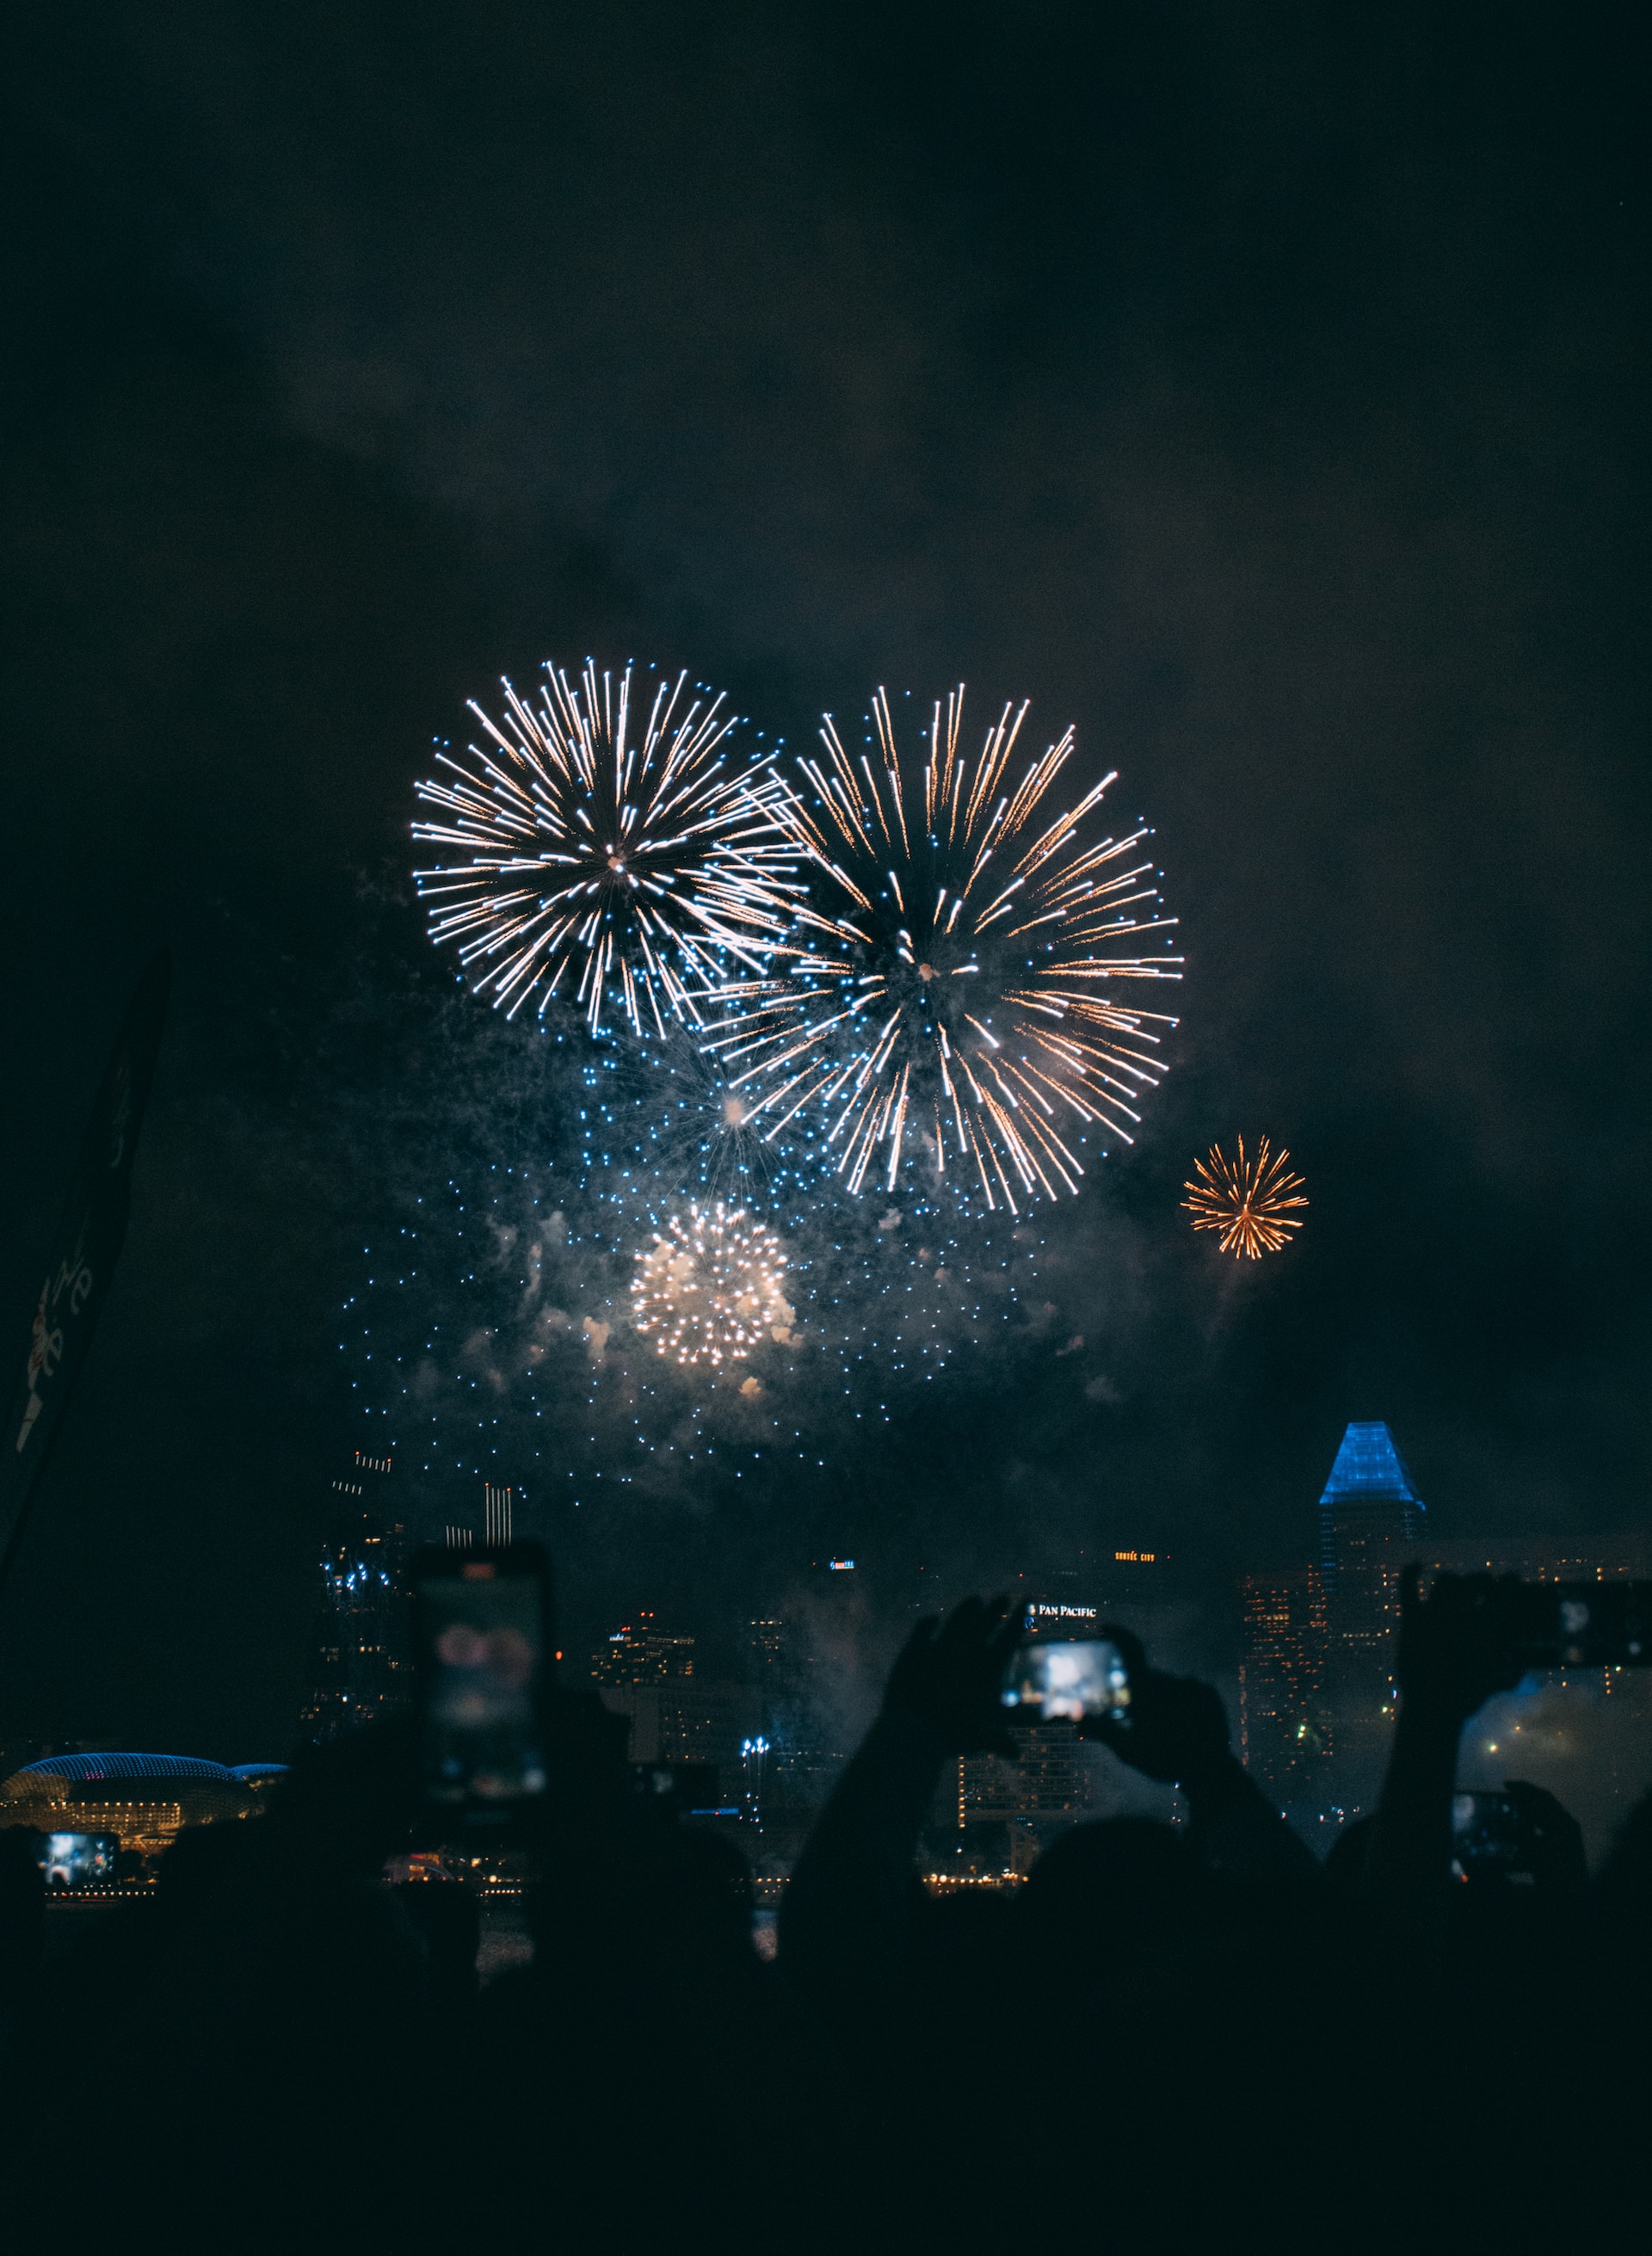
pixel 1169 2036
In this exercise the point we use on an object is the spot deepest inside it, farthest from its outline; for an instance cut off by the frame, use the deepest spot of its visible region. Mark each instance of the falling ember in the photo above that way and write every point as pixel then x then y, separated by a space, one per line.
pixel 952 1006
pixel 710 1288
pixel 618 870
pixel 1247 1199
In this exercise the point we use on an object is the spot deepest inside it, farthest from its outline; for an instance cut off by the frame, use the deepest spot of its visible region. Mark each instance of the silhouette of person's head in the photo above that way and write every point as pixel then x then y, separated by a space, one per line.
pixel 1122 1888
pixel 1345 1865
pixel 1623 1889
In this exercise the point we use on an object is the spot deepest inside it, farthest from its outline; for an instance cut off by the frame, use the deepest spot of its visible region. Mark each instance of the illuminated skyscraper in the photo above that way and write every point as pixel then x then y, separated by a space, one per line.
pixel 675 1714
pixel 638 1652
pixel 499 1521
pixel 1286 1736
pixel 1371 1524
pixel 360 1667
pixel 1369 1510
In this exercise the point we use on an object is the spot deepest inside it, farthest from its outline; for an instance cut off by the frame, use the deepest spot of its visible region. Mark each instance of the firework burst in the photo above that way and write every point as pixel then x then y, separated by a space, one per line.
pixel 622 871
pixel 950 1004
pixel 1247 1199
pixel 710 1288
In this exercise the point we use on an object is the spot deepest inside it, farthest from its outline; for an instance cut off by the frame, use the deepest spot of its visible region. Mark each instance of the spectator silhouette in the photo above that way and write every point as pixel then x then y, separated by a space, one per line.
pixel 1168 2023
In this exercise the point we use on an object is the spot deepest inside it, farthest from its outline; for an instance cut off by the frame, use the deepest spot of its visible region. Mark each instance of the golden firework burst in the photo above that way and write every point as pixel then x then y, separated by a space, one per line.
pixel 953 1006
pixel 1247 1198
pixel 711 1287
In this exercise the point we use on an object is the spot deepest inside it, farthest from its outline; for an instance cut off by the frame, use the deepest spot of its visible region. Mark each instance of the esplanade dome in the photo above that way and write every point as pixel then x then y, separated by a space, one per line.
pixel 143 1799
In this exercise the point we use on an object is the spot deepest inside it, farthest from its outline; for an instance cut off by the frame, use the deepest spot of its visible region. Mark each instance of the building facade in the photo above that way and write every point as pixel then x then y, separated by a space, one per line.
pixel 1372 1524
pixel 360 1664
pixel 1286 1728
pixel 673 1712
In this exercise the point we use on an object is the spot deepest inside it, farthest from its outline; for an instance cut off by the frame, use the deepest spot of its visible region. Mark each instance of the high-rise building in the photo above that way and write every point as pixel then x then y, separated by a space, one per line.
pixel 801 1666
pixel 802 1758
pixel 499 1521
pixel 1371 1521
pixel 360 1666
pixel 498 1514
pixel 765 1646
pixel 1369 1509
pixel 1286 1730
pixel 1371 1525
pixel 1050 1775
pixel 675 1714
pixel 639 1653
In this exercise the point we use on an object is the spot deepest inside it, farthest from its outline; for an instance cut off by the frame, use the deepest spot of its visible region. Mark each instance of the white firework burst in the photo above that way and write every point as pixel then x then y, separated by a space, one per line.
pixel 621 870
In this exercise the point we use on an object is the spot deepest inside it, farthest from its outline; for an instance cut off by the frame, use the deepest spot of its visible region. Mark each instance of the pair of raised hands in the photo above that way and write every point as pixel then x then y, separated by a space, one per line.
pixel 950 1675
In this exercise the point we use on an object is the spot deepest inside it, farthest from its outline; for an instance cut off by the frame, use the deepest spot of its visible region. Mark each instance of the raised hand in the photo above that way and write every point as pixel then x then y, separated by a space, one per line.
pixel 1178 1728
pixel 1558 1860
pixel 1456 1645
pixel 950 1675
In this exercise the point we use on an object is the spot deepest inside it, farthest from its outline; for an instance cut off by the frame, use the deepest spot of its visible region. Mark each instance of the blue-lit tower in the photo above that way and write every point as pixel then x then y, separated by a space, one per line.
pixel 1371 1522
pixel 1368 1506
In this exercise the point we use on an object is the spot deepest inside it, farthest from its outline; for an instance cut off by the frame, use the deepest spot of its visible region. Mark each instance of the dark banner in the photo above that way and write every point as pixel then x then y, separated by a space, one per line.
pixel 82 1258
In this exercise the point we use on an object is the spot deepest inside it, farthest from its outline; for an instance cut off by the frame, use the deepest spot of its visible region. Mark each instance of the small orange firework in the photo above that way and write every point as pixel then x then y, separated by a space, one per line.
pixel 1247 1199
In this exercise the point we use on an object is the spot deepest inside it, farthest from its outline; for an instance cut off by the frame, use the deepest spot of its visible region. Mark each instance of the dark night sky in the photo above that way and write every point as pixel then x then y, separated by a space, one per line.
pixel 1262 390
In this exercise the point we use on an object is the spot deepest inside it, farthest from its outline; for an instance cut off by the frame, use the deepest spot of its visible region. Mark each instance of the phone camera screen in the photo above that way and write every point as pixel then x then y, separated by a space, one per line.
pixel 77 1860
pixel 1070 1678
pixel 1489 1840
pixel 483 1640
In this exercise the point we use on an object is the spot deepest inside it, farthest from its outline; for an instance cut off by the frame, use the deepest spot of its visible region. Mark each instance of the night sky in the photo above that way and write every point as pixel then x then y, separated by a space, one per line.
pixel 1264 392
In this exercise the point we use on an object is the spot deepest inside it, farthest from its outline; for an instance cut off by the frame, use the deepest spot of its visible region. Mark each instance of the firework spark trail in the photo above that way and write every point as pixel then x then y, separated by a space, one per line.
pixel 659 1124
pixel 1247 1199
pixel 946 989
pixel 636 872
pixel 710 1288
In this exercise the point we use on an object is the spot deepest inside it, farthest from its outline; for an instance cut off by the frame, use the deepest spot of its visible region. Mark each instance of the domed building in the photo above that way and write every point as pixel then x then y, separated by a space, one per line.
pixel 145 1801
pixel 262 1778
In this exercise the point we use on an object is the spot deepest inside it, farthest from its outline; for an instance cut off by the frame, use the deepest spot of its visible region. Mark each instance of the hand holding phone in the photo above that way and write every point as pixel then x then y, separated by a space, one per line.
pixel 77 1860
pixel 1173 1729
pixel 482 1633
pixel 1050 1680
pixel 1456 1646
pixel 948 1675
pixel 1521 1838
pixel 1583 1624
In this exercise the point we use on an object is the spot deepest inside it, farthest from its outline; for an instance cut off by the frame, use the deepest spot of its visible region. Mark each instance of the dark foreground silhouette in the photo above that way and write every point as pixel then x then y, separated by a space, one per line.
pixel 1171 2037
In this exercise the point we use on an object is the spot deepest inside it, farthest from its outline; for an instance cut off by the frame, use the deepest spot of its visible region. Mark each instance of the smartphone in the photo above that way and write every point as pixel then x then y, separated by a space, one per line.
pixel 673 1790
pixel 483 1642
pixel 1070 1677
pixel 1491 1840
pixel 77 1860
pixel 1584 1625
